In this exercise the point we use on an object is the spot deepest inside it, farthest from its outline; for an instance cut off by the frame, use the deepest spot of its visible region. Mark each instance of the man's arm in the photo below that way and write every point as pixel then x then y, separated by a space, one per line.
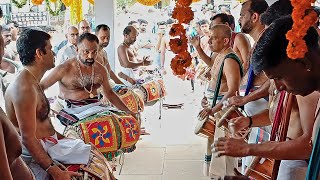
pixel 298 148
pixel 231 70
pixel 53 77
pixel 242 45
pixel 195 41
pixel 112 74
pixel 4 164
pixel 124 59
pixel 110 95
pixel 163 49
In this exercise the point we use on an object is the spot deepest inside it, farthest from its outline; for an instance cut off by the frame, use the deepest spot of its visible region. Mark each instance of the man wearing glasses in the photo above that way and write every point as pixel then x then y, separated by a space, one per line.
pixel 70 49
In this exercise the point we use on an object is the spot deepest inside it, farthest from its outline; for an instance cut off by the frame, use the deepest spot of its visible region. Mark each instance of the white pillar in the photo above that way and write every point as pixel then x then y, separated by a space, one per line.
pixel 105 14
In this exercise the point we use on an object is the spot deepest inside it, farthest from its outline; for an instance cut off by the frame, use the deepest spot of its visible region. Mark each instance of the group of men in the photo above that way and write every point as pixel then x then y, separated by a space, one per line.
pixel 265 25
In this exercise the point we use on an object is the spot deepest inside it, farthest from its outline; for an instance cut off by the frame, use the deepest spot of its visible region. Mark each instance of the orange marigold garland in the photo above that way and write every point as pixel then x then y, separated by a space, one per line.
pixel 177 30
pixel 148 2
pixel 302 21
pixel 37 2
pixel 183 14
pixel 179 45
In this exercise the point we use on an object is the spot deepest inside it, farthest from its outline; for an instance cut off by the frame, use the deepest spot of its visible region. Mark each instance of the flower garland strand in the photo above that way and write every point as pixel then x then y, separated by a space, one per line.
pixel 302 21
pixel 37 2
pixel 58 7
pixel 179 44
pixel 148 2
pixel 67 3
pixel 76 12
pixel 19 4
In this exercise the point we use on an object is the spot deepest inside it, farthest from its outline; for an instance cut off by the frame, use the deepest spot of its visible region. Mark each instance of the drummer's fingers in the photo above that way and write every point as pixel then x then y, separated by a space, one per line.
pixel 221 153
pixel 221 141
pixel 218 149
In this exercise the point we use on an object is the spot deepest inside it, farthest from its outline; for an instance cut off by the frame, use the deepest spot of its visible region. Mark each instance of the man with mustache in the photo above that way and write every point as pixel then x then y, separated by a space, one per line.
pixel 80 77
pixel 8 53
pixel 103 34
pixel 127 57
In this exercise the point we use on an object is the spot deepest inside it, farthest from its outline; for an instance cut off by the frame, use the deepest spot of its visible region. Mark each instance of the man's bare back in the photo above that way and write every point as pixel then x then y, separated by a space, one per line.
pixel 132 56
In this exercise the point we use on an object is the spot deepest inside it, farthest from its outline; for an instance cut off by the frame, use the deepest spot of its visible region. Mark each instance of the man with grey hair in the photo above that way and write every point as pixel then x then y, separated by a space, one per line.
pixel 70 49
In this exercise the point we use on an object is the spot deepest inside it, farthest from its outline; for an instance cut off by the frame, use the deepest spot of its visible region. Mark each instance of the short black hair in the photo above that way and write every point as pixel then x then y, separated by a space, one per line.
pixel 88 36
pixel 29 41
pixel 142 21
pixel 231 19
pixel 223 17
pixel 132 22
pixel 275 11
pixel 103 27
pixel 203 21
pixel 257 6
pixel 127 30
pixel 161 23
pixel 270 50
pixel 170 21
pixel 1 13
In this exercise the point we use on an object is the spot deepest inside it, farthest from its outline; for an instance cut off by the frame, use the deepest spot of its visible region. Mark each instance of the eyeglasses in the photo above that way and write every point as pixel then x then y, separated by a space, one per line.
pixel 73 35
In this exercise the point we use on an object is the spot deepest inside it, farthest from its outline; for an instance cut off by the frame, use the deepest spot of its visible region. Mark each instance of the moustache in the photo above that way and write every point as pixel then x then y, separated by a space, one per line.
pixel 104 44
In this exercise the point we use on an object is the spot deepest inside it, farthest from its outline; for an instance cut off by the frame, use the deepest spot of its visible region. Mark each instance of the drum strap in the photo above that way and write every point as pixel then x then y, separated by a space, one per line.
pixel 217 88
pixel 285 119
pixel 314 163
pixel 277 118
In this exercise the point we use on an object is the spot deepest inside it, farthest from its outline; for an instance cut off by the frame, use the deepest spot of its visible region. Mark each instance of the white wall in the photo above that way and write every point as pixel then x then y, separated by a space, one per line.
pixel 104 14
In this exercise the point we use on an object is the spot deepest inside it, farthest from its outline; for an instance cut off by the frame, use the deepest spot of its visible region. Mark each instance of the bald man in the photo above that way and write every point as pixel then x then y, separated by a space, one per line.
pixel 70 49
pixel 127 56
pixel 84 27
pixel 229 82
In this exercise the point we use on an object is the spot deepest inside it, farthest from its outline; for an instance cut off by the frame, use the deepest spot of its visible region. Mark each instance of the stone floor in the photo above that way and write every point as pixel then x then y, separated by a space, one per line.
pixel 172 151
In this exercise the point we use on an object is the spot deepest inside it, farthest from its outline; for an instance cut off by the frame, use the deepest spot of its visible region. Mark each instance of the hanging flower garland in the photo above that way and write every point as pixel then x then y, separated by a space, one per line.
pixel 37 2
pixel 91 1
pixel 67 3
pixel 302 21
pixel 179 45
pixel 148 2
pixel 19 4
pixel 76 12
pixel 57 10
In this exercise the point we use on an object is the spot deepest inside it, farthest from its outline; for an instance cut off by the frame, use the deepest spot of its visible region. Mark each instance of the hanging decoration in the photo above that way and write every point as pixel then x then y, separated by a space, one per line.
pixel 148 2
pixel 37 2
pixel 91 1
pixel 194 1
pixel 58 6
pixel 76 12
pixel 67 3
pixel 179 44
pixel 19 4
pixel 303 18
pixel 53 1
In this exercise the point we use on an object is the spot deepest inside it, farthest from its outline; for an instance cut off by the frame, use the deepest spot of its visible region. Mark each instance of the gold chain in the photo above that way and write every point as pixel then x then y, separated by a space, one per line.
pixel 82 79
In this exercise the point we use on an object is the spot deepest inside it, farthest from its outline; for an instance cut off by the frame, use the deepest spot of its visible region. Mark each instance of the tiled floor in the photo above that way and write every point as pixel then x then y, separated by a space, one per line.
pixel 172 151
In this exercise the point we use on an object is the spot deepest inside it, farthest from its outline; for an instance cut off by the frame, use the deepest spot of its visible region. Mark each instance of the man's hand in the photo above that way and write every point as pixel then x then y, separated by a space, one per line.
pixel 65 175
pixel 204 102
pixel 237 101
pixel 240 123
pixel 195 41
pixel 146 60
pixel 234 147
pixel 204 113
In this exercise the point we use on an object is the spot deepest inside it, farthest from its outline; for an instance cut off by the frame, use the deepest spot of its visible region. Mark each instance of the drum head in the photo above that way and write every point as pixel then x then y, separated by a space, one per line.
pixel 199 126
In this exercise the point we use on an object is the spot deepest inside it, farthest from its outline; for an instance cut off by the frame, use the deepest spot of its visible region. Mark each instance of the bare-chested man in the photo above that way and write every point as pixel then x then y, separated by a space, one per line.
pixel 28 108
pixel 219 42
pixel 239 42
pixel 11 164
pixel 300 77
pixel 8 53
pixel 103 34
pixel 127 57
pixel 80 77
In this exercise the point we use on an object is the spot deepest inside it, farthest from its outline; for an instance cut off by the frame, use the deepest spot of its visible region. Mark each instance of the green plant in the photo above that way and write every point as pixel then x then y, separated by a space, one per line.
pixel 19 3
pixel 58 6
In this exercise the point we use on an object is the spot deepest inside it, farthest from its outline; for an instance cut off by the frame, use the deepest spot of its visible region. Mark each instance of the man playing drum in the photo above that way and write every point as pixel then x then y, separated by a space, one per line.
pixel 229 66
pixel 270 57
pixel 127 56
pixel 28 108
pixel 80 77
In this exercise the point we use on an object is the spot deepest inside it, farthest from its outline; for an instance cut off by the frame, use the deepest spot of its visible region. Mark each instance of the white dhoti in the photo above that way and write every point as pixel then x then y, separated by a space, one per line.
pixel 66 151
pixel 292 170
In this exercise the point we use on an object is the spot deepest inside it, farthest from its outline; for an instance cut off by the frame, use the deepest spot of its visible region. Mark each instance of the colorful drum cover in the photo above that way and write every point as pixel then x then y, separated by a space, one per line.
pixel 107 132
pixel 132 101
